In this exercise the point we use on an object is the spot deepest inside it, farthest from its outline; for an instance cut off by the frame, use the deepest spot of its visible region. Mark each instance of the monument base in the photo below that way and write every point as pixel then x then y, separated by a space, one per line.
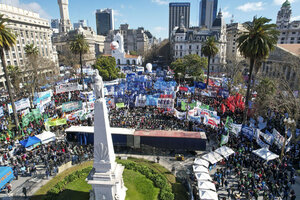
pixel 107 185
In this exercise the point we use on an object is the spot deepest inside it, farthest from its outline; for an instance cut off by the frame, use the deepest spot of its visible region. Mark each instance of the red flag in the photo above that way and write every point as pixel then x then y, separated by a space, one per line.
pixel 231 107
pixel 223 108
pixel 183 89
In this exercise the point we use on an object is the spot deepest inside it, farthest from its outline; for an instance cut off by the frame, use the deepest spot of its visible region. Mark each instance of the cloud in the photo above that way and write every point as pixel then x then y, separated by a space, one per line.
pixel 122 6
pixel 226 13
pixel 159 29
pixel 33 6
pixel 161 2
pixel 117 13
pixel 251 6
pixel 280 2
pixel 296 18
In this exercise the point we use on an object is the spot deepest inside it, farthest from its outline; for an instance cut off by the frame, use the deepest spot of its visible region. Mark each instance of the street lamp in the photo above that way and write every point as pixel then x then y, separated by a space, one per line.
pixel 289 124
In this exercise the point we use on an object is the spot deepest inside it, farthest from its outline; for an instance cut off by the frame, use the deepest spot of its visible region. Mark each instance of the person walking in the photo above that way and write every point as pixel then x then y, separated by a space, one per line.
pixel 24 191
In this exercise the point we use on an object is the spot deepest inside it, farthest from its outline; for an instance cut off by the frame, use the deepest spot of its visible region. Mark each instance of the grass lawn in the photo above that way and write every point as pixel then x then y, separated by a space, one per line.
pixel 177 188
pixel 139 187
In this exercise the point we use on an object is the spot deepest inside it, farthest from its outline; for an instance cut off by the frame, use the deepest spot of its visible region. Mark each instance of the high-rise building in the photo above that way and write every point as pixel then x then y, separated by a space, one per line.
pixel 65 24
pixel 81 23
pixel 104 21
pixel 207 12
pixel 176 12
pixel 289 31
pixel 29 28
pixel 234 30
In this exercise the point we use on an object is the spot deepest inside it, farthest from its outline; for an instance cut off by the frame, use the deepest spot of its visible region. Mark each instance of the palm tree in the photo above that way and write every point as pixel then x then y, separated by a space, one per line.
pixel 80 46
pixel 32 55
pixel 256 43
pixel 209 49
pixel 7 40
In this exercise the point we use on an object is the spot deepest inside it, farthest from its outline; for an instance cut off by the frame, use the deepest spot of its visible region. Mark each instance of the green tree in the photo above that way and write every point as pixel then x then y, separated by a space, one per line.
pixel 133 53
pixel 210 50
pixel 106 66
pixel 15 75
pixel 79 46
pixel 256 43
pixel 191 65
pixel 7 40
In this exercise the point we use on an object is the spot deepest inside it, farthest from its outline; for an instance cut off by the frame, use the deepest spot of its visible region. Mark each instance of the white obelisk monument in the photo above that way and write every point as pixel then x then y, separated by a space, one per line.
pixel 106 176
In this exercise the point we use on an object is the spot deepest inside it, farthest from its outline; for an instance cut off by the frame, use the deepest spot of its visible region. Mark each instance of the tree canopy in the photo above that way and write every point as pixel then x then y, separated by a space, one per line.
pixel 106 65
pixel 191 65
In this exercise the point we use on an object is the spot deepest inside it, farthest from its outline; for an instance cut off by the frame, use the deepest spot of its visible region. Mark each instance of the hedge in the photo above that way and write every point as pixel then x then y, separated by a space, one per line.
pixel 60 186
pixel 159 180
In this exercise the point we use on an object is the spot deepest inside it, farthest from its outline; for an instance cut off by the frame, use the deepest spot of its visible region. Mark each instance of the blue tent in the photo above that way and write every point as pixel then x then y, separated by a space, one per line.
pixel 30 141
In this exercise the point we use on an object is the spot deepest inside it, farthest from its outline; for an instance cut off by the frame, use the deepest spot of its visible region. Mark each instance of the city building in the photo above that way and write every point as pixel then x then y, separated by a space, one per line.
pixel 55 23
pixel 289 31
pixel 63 38
pixel 104 21
pixel 283 62
pixel 233 31
pixel 81 23
pixel 118 52
pixel 29 28
pixel 176 11
pixel 185 41
pixel 134 39
pixel 207 12
pixel 65 24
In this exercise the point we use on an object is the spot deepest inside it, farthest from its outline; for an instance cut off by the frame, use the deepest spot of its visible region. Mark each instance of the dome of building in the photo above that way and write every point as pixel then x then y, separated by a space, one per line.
pixel 181 30
pixel 286 4
pixel 114 45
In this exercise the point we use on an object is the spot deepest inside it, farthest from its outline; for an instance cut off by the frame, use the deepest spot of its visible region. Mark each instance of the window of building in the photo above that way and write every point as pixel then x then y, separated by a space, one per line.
pixel 20 55
pixel 232 51
pixel 14 55
pixel 19 48
pixel 190 46
pixel 292 38
pixel 180 54
pixel 181 47
pixel 8 63
pixel 15 63
pixel 190 53
pixel 293 33
pixel 283 33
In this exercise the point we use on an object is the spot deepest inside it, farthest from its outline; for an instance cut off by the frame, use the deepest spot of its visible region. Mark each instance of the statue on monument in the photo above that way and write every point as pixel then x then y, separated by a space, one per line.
pixel 99 86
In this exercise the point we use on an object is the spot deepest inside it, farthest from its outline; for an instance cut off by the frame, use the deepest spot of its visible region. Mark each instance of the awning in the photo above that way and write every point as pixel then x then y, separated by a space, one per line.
pixel 224 151
pixel 200 169
pixel 208 195
pixel 212 157
pixel 30 141
pixel 265 154
pixel 199 161
pixel 46 137
pixel 203 177
pixel 206 185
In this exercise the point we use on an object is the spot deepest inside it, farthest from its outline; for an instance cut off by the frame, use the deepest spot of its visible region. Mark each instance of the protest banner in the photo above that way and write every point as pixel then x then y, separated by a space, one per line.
pixel 54 122
pixel 261 143
pixel 224 139
pixel 69 87
pixel 278 138
pixel 20 105
pixel 70 106
pixel 88 106
pixel 268 137
pixel 236 129
pixel 180 115
pixel 140 101
pixel 165 103
pixel 248 132
pixel 120 105
pixel 1 111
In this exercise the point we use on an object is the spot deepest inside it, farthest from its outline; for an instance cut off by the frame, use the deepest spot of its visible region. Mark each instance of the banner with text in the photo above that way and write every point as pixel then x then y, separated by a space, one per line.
pixel 70 106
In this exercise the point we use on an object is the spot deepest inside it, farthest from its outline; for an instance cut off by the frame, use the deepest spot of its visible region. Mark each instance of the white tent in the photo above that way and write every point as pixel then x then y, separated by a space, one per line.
pixel 199 161
pixel 224 151
pixel 208 195
pixel 265 154
pixel 200 169
pixel 212 157
pixel 203 177
pixel 46 137
pixel 206 185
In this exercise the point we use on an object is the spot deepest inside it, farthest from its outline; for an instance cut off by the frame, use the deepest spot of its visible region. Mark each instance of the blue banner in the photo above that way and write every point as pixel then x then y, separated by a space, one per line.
pixel 248 132
pixel 200 85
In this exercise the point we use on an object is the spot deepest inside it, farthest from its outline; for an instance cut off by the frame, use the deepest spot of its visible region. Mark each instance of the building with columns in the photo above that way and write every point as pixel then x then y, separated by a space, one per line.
pixel 29 28
pixel 289 31
pixel 185 41
pixel 284 62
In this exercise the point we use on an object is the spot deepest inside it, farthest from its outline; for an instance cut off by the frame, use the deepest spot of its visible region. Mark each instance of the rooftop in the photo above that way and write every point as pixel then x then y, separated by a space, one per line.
pixel 292 48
